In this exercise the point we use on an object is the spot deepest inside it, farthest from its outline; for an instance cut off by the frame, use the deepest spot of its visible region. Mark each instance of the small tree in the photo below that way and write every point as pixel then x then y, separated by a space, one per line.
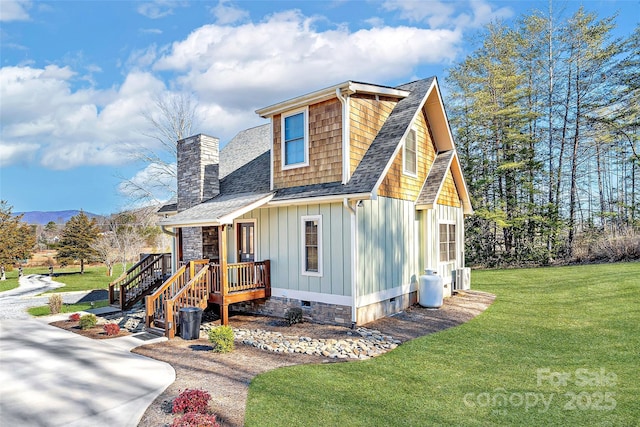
pixel 17 238
pixel 78 236
pixel 106 246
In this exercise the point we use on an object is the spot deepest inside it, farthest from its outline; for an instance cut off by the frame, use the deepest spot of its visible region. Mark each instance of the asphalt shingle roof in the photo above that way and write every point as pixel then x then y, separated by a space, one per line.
pixel 436 177
pixel 245 164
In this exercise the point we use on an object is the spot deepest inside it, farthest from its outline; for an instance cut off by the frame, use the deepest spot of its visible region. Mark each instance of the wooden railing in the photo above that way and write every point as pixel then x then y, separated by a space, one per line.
pixel 199 282
pixel 155 303
pixel 139 280
pixel 246 276
pixel 193 294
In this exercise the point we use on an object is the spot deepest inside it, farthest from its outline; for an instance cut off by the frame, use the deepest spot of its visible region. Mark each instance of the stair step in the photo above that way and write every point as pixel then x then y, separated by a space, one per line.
pixel 155 331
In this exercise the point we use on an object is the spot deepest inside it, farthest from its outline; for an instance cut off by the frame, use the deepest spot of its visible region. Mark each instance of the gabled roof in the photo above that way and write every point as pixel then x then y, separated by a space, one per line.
pixel 246 183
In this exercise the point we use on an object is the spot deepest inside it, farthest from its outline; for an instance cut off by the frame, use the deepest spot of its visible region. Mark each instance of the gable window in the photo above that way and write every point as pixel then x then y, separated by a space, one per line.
pixel 295 144
pixel 410 153
pixel 312 245
pixel 447 242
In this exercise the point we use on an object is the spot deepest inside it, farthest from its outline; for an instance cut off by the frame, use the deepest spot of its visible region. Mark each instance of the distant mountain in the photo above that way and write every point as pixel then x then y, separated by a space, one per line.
pixel 59 217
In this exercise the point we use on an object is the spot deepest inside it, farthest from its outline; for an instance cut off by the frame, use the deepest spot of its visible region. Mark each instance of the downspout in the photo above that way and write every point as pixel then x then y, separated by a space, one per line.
pixel 174 258
pixel 354 261
pixel 344 100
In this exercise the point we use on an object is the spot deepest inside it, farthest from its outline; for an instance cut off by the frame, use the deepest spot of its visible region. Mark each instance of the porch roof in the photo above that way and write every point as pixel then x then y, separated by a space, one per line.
pixel 222 209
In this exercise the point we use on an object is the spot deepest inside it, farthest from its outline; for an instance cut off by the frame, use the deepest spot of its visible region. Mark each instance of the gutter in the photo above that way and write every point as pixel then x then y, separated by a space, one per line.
pixel 166 231
pixel 354 260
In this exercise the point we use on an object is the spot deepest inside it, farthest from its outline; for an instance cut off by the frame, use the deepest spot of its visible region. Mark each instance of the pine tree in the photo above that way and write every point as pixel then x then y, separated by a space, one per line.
pixel 17 238
pixel 78 237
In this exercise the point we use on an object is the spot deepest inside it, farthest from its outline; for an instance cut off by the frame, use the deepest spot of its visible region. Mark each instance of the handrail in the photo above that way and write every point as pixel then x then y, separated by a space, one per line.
pixel 155 307
pixel 138 280
pixel 247 275
pixel 193 294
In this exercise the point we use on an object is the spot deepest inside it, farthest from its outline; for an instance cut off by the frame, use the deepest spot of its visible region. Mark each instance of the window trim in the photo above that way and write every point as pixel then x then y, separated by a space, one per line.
pixel 406 171
pixel 283 117
pixel 303 245
pixel 455 241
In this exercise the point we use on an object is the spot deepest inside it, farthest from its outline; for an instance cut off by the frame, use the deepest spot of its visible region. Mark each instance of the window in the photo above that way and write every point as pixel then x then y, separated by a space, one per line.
pixel 294 140
pixel 410 154
pixel 447 242
pixel 312 245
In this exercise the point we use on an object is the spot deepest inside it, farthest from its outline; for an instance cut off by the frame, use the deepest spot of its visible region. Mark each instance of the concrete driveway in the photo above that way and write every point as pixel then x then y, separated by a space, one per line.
pixel 52 377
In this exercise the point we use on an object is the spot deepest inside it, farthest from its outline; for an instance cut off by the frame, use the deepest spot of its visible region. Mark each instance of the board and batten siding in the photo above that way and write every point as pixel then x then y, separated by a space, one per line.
pixel 388 249
pixel 430 224
pixel 279 239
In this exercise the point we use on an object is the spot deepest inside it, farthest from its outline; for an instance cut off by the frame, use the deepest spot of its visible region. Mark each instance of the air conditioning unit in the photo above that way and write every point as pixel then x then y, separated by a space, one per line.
pixel 460 279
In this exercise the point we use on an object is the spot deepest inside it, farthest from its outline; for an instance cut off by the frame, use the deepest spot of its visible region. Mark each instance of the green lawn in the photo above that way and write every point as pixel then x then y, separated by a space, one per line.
pixel 559 346
pixel 67 308
pixel 94 277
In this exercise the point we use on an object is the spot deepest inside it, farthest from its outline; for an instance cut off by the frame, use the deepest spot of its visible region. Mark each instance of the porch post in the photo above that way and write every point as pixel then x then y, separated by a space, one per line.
pixel 224 277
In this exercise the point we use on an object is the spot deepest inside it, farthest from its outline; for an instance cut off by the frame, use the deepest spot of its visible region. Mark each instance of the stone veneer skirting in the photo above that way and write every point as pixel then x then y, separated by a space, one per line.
pixel 319 312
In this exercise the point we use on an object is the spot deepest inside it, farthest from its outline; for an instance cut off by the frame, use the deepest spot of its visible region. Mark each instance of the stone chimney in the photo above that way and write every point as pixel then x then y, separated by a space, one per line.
pixel 198 165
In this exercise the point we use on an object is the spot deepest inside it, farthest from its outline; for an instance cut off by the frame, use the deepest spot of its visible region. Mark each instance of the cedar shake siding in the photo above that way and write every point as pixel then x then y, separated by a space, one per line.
pixel 398 185
pixel 449 193
pixel 325 148
pixel 367 115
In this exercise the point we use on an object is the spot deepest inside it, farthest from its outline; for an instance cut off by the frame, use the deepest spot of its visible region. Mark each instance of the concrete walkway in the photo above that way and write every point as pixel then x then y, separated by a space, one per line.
pixel 53 377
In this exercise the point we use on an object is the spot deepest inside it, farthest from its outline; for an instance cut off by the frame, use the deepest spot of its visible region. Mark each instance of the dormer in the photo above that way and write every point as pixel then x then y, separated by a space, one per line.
pixel 308 132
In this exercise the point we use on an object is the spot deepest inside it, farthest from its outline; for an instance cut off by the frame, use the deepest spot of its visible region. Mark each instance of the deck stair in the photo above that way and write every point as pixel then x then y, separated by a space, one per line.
pixel 139 281
pixel 199 283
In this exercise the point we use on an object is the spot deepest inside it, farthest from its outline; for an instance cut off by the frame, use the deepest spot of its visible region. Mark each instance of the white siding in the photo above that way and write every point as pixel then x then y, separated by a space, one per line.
pixel 388 249
pixel 279 238
pixel 433 217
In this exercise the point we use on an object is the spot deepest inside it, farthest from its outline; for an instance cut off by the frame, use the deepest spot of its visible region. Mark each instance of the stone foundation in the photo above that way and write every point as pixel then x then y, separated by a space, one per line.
pixel 316 312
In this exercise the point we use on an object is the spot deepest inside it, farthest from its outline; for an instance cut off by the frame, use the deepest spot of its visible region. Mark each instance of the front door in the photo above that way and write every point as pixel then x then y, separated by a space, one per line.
pixel 246 242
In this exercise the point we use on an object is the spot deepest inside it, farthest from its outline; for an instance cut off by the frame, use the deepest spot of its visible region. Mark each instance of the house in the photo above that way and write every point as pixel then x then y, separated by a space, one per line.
pixel 346 196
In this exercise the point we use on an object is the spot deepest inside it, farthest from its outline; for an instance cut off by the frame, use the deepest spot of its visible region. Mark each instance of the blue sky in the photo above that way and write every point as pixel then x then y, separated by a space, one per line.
pixel 76 76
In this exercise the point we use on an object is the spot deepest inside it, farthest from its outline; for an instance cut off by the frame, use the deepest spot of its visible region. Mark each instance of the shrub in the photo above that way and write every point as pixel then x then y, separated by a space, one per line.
pixel 74 317
pixel 191 401
pixel 194 419
pixel 222 339
pixel 88 321
pixel 293 315
pixel 55 303
pixel 111 329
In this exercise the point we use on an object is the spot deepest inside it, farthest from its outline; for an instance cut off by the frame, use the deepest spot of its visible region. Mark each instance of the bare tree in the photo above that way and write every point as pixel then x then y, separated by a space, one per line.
pixel 107 249
pixel 170 118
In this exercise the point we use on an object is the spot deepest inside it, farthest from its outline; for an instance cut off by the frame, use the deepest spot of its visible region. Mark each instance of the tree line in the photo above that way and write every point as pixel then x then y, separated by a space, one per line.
pixel 120 237
pixel 545 116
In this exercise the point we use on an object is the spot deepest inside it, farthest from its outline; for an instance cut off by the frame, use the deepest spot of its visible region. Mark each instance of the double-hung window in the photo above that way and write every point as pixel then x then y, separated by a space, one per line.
pixel 295 143
pixel 312 245
pixel 447 242
pixel 410 154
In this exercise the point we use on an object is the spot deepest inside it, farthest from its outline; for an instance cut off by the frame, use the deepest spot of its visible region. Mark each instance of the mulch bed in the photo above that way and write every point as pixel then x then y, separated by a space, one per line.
pixel 96 332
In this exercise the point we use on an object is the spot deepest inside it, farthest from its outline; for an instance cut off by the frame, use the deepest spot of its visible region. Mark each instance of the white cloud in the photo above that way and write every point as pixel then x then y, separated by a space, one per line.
pixel 251 65
pixel 68 127
pixel 157 9
pixel 157 179
pixel 16 153
pixel 228 14
pixel 442 14
pixel 14 10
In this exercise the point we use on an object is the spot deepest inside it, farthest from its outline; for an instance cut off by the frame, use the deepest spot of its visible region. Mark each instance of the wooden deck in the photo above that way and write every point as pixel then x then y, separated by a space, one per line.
pixel 200 283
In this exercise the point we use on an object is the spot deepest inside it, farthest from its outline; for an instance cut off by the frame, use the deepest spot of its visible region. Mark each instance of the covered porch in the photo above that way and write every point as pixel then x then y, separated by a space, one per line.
pixel 214 258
